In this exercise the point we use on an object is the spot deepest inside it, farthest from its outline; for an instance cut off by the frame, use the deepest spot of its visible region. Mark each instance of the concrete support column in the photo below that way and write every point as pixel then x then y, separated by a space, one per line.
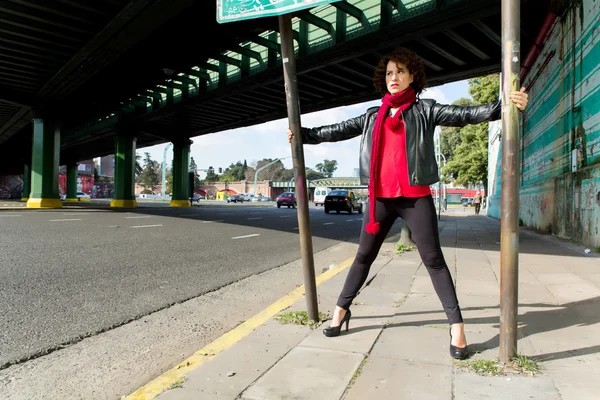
pixel 123 195
pixel 44 165
pixel 71 182
pixel 26 182
pixel 181 165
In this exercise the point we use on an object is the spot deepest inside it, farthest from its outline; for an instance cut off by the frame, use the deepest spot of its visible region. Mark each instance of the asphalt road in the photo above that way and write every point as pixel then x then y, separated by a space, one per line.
pixel 69 274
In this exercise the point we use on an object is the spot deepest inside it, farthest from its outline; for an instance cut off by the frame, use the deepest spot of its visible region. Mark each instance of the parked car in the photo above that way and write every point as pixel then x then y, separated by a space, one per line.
pixel 342 200
pixel 265 198
pixel 286 199
pixel 466 201
pixel 320 194
pixel 196 197
pixel 235 198
pixel 83 196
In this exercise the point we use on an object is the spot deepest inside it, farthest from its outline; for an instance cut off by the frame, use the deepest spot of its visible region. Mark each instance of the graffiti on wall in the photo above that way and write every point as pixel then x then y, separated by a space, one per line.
pixel 11 186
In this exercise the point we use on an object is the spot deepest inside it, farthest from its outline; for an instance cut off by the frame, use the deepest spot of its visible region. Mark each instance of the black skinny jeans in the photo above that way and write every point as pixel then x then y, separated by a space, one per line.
pixel 420 215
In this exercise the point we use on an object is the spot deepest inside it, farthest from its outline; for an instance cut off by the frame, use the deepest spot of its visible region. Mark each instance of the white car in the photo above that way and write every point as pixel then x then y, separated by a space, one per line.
pixel 82 196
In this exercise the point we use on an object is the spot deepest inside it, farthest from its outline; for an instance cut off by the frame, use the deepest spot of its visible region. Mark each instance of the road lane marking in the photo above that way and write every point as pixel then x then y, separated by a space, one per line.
pixel 10 215
pixel 255 218
pixel 76 213
pixel 329 223
pixel 246 236
pixel 230 213
pixel 285 216
pixel 350 220
pixel 145 226
pixel 296 228
pixel 358 219
pixel 65 220
pixel 207 353
pixel 208 222
pixel 139 217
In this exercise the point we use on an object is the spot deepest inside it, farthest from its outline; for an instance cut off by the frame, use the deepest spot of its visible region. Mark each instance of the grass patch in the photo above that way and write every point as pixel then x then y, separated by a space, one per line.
pixel 525 364
pixel 402 248
pixel 519 364
pixel 597 249
pixel 300 318
pixel 177 384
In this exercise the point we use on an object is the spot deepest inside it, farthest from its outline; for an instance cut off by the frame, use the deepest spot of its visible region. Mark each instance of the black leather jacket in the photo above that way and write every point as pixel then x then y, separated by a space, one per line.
pixel 420 121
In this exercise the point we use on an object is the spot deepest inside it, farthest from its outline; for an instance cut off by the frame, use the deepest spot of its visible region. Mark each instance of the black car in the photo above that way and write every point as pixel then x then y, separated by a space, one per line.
pixel 342 200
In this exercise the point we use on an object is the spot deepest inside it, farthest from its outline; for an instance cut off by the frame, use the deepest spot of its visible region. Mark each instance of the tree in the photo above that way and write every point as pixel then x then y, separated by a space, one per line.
pixel 327 167
pixel 149 177
pixel 272 173
pixel 450 137
pixel 235 172
pixel 468 164
pixel 194 169
pixel 138 167
pixel 169 188
pixel 485 89
pixel 211 176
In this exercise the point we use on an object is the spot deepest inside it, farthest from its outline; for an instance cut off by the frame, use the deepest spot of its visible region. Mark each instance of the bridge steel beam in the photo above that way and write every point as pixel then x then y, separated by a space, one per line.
pixel 181 156
pixel 44 165
pixel 124 196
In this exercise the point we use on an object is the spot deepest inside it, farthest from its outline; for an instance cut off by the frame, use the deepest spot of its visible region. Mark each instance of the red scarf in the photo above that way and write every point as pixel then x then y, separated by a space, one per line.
pixel 402 101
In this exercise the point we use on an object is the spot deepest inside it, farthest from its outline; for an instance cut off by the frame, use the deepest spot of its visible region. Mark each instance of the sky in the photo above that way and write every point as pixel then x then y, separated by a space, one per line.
pixel 269 140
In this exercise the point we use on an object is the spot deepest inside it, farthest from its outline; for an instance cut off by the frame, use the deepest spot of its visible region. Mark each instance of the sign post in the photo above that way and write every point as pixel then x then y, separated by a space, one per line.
pixel 236 10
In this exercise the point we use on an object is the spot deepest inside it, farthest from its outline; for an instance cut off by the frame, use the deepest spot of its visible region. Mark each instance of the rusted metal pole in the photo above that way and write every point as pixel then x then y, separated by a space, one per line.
pixel 509 224
pixel 293 108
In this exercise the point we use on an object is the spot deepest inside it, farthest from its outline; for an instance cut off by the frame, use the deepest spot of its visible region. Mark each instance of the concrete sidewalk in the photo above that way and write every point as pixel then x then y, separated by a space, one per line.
pixel 397 345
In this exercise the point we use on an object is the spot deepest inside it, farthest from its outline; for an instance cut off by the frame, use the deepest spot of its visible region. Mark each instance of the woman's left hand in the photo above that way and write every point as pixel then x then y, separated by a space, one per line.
pixel 520 99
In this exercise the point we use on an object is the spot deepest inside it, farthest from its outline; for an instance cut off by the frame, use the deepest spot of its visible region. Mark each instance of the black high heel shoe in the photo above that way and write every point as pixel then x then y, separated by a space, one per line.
pixel 460 353
pixel 333 331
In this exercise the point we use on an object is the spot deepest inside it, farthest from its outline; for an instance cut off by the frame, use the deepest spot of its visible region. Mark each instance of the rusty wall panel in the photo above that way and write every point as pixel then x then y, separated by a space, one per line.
pixel 563 116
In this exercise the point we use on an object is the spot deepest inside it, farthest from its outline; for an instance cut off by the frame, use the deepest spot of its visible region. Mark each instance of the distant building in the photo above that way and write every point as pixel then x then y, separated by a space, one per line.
pixel 356 173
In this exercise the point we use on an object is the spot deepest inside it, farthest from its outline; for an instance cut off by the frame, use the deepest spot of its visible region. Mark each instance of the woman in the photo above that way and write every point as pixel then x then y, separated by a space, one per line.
pixel 397 161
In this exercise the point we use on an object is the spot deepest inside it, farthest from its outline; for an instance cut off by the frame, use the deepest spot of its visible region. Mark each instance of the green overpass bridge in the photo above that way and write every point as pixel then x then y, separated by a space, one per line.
pixel 81 79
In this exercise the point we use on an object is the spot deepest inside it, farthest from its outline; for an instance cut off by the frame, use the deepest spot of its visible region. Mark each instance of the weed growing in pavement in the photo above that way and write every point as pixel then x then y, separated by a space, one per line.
pixel 357 374
pixel 525 364
pixel 301 318
pixel 597 249
pixel 519 364
pixel 402 248
pixel 177 384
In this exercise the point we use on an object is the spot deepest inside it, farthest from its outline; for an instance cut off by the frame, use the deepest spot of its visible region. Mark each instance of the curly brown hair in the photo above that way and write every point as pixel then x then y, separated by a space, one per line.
pixel 413 63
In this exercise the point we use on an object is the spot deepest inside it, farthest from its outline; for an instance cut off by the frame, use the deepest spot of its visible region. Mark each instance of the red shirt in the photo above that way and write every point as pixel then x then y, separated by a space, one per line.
pixel 393 173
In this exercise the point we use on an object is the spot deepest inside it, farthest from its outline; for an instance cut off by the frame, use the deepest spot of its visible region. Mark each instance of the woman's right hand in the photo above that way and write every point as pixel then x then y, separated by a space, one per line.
pixel 290 135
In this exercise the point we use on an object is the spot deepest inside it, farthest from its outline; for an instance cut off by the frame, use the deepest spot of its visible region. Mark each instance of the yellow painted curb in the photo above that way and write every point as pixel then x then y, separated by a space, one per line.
pixel 163 382
pixel 71 200
pixel 180 203
pixel 24 199
pixel 123 203
pixel 44 203
pixel 83 199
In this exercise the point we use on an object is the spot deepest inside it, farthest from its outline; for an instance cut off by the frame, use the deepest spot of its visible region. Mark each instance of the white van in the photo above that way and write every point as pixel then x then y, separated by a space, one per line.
pixel 320 194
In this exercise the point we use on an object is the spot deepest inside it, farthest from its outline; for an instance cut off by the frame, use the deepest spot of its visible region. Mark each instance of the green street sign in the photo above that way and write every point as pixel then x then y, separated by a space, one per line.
pixel 237 10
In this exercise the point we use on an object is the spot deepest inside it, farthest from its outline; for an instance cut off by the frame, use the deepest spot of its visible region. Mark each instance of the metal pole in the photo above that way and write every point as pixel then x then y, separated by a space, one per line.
pixel 164 171
pixel 509 224
pixel 293 109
